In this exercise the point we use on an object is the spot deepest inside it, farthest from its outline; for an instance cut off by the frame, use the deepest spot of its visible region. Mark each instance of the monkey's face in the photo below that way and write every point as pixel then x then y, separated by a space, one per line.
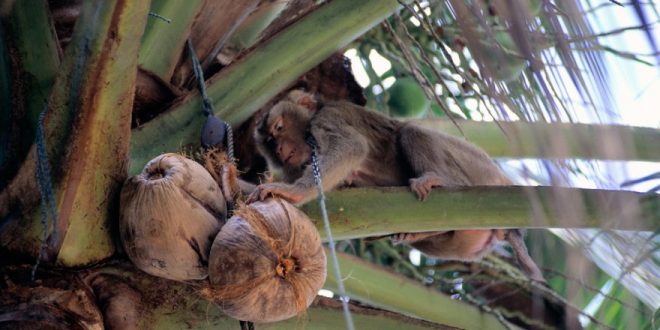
pixel 285 131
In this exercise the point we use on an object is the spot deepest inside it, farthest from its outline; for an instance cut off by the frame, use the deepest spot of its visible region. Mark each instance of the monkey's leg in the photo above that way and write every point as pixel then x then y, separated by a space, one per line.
pixel 402 238
pixel 465 245
pixel 429 160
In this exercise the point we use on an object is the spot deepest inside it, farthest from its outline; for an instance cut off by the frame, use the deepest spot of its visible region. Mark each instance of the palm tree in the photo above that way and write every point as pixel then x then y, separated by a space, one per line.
pixel 521 79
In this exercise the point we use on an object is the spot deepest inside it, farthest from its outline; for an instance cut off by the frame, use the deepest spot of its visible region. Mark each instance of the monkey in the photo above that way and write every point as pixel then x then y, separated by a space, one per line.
pixel 5 7
pixel 358 147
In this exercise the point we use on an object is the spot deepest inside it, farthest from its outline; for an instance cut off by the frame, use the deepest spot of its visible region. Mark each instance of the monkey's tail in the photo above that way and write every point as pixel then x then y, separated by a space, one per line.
pixel 514 237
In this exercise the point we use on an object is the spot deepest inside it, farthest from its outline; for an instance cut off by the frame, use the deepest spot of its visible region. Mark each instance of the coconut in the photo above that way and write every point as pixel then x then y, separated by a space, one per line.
pixel 169 215
pixel 267 263
pixel 407 98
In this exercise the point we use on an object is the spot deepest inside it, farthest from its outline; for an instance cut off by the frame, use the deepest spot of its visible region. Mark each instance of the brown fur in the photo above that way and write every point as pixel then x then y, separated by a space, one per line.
pixel 359 148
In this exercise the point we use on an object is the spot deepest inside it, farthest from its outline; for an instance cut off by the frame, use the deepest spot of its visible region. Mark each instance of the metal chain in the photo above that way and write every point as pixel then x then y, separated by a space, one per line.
pixel 230 143
pixel 316 170
pixel 207 109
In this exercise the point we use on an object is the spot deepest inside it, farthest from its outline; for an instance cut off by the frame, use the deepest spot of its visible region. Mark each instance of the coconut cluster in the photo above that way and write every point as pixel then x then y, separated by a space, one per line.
pixel 169 216
pixel 267 263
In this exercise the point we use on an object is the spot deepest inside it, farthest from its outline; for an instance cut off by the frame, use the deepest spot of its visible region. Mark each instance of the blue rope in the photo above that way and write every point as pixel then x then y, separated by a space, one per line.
pixel 208 111
pixel 207 103
pixel 167 20
pixel 45 186
pixel 343 297
pixel 43 176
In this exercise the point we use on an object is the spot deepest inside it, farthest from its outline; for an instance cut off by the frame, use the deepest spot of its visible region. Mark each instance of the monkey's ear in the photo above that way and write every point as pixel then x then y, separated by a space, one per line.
pixel 261 125
pixel 303 99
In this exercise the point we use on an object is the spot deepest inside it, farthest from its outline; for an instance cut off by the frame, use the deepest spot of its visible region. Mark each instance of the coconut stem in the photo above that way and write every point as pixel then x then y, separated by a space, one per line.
pixel 284 267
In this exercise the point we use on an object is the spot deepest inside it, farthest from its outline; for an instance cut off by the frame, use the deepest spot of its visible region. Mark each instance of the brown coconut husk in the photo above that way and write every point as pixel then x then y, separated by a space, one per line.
pixel 169 216
pixel 267 263
pixel 48 308
pixel 223 171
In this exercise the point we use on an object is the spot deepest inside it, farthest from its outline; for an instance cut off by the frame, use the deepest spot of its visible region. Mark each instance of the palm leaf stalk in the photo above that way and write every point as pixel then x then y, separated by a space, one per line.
pixel 368 212
pixel 86 134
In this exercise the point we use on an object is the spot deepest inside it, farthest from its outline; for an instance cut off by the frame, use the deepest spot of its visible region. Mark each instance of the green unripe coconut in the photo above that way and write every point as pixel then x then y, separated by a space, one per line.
pixel 407 98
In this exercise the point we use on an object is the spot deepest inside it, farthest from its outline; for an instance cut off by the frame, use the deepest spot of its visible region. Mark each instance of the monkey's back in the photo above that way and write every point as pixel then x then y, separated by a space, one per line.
pixel 456 161
pixel 384 164
pixel 401 148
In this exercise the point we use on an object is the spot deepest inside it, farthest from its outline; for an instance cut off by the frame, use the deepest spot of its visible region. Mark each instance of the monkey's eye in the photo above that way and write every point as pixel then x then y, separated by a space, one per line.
pixel 270 142
pixel 279 125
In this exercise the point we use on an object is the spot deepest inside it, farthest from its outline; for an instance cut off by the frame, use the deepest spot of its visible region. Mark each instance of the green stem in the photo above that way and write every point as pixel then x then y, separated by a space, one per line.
pixel 374 285
pixel 163 42
pixel 394 254
pixel 556 140
pixel 36 57
pixel 368 212
pixel 39 54
pixel 95 167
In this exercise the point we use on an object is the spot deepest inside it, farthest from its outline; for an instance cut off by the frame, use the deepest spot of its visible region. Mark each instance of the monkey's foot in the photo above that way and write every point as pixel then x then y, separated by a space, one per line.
pixel 402 238
pixel 422 186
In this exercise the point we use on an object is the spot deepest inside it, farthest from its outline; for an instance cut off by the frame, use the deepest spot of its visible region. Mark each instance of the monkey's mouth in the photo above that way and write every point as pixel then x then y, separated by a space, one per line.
pixel 293 160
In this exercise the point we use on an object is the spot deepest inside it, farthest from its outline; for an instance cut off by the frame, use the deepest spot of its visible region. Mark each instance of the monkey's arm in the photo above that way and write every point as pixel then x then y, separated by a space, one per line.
pixel 341 150
pixel 246 187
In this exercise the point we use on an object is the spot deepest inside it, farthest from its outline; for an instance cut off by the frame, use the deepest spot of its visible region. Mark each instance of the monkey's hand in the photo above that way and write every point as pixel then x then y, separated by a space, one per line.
pixel 422 186
pixel 290 193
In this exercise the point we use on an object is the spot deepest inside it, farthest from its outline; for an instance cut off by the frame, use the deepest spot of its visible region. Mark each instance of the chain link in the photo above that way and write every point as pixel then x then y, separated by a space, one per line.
pixel 316 170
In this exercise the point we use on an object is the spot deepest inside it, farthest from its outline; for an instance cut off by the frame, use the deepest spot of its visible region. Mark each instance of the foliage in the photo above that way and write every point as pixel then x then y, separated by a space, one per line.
pixel 539 62
pixel 486 60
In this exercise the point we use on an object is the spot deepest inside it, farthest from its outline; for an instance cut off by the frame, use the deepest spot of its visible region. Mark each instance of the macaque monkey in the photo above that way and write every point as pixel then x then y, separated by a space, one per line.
pixel 361 148
pixel 5 7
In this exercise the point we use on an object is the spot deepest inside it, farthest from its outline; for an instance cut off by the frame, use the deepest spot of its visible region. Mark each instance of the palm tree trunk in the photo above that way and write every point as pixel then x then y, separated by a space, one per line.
pixel 86 133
